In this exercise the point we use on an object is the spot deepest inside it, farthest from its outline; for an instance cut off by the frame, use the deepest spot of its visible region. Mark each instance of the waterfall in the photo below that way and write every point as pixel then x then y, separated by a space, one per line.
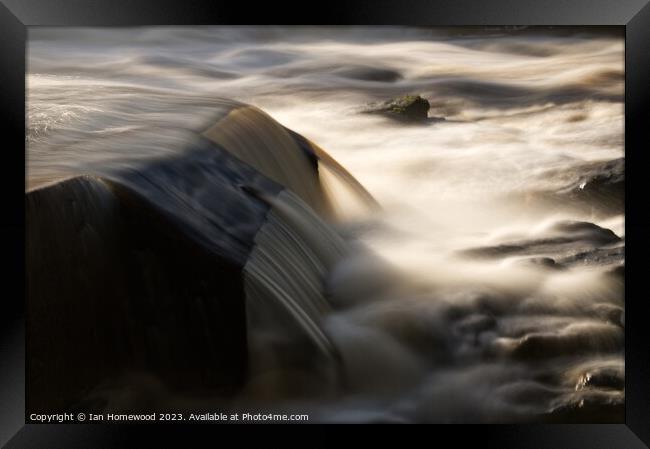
pixel 283 278
pixel 258 140
pixel 209 251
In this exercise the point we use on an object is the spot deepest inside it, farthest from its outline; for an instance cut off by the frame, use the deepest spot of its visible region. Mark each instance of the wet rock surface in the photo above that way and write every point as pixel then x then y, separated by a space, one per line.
pixel 412 108
pixel 589 410
pixel 567 243
pixel 595 186
pixel 598 178
pixel 604 377
pixel 366 73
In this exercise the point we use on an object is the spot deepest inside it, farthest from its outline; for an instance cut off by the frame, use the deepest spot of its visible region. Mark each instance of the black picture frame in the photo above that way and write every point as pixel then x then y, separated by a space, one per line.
pixel 17 15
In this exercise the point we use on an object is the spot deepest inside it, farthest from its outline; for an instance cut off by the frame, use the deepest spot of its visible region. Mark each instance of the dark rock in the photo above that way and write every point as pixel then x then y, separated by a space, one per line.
pixel 585 231
pixel 603 377
pixel 408 107
pixel 536 346
pixel 600 185
pixel 595 257
pixel 588 410
pixel 602 177
pixel 594 188
pixel 575 242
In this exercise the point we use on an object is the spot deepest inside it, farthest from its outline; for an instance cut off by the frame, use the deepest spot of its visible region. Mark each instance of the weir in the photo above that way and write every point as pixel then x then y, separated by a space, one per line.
pixel 198 267
pixel 283 279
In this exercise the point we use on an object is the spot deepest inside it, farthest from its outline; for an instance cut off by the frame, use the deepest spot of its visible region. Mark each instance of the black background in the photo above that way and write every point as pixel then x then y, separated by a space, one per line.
pixel 15 15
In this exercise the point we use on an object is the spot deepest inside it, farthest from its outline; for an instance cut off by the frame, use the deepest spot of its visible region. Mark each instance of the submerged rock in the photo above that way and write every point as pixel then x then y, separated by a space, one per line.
pixel 595 186
pixel 602 178
pixel 596 257
pixel 569 242
pixel 598 184
pixel 592 409
pixel 595 338
pixel 365 73
pixel 407 107
pixel 541 262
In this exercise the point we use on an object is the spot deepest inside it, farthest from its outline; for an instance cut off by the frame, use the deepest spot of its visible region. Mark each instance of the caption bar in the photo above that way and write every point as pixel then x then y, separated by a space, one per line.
pixel 164 417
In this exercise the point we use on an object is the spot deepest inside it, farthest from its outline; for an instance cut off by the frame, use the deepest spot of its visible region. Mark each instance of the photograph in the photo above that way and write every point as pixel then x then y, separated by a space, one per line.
pixel 325 224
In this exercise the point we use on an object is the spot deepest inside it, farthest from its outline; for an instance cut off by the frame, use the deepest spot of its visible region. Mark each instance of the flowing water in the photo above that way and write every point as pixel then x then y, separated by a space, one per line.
pixel 488 287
